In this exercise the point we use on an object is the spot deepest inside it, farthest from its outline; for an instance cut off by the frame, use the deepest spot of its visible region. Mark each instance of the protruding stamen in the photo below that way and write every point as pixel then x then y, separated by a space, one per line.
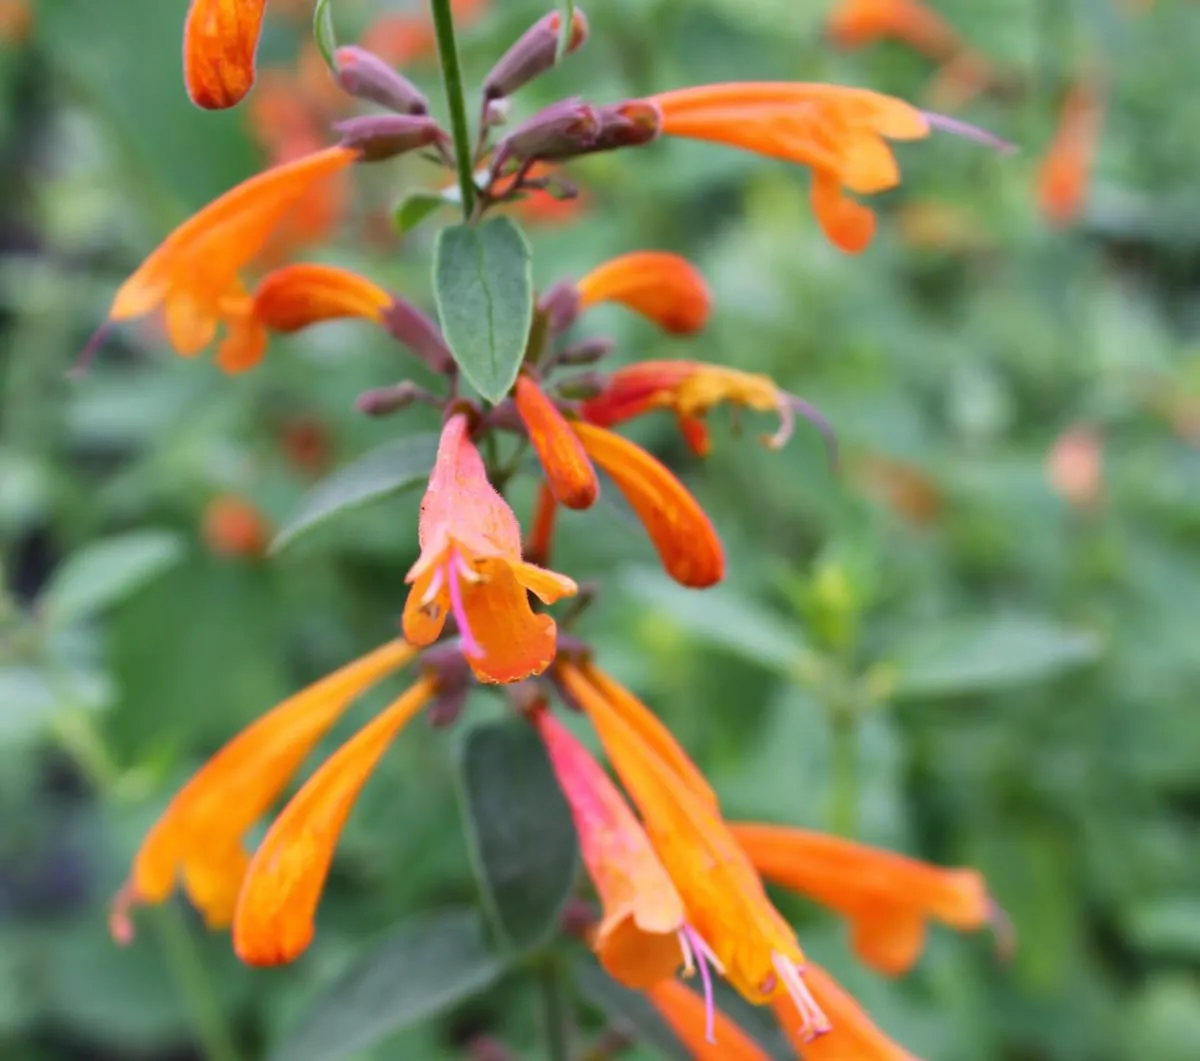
pixel 703 955
pixel 470 646
pixel 788 410
pixel 970 132
pixel 814 1020
pixel 98 339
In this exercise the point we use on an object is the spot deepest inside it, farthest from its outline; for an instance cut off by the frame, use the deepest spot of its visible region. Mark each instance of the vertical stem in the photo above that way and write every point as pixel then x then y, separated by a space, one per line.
pixel 843 798
pixel 443 23
pixel 556 1013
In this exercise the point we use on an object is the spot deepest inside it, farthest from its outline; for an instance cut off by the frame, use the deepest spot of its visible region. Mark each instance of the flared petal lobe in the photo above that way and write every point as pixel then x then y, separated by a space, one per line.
pixel 297 296
pixel 684 1011
pixel 284 881
pixel 219 43
pixel 662 287
pixel 568 471
pixel 681 533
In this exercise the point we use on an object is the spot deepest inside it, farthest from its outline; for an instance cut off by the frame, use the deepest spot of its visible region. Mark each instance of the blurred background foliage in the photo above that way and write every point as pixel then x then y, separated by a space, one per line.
pixel 973 642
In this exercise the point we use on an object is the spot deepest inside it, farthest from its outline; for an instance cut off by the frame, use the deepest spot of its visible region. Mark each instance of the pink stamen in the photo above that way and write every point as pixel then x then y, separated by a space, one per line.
pixel 814 1020
pixel 99 337
pixel 703 955
pixel 789 407
pixel 970 132
pixel 470 646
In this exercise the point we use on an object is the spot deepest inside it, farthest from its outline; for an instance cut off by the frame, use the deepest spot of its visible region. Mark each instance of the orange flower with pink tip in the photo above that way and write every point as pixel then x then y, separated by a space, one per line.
pixel 888 898
pixel 219 42
pixel 662 287
pixel 470 567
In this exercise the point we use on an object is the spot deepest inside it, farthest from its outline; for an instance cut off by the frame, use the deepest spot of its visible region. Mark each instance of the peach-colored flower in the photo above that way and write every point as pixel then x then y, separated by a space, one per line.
pixel 235 527
pixel 219 42
pixel 662 287
pixel 1075 466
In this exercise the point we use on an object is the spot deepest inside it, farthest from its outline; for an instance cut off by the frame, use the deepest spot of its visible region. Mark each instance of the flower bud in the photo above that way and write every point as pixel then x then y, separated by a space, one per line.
pixel 634 123
pixel 533 54
pixel 384 136
pixel 383 401
pixel 587 352
pixel 560 305
pixel 365 76
pixel 562 130
pixel 415 330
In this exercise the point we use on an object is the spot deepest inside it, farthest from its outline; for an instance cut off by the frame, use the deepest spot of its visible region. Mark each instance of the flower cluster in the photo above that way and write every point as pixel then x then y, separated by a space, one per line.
pixel 682 890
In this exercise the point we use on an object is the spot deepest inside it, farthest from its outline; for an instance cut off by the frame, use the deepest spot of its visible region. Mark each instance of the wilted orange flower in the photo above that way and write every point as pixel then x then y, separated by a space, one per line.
pixel 732 924
pixel 194 274
pixel 684 537
pixel 219 42
pixel 199 837
pixel 1066 169
pixel 690 389
pixel 852 1035
pixel 639 939
pixel 684 1011
pixel 839 132
pixel 470 566
pixel 569 473
pixel 234 526
pixel 853 23
pixel 662 287
pixel 887 897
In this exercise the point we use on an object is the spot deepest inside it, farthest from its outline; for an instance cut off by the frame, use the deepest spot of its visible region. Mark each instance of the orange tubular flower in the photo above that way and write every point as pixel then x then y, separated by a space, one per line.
pixel 684 1012
pixel 837 131
pixel 639 941
pixel 470 565
pixel 219 42
pixel 193 275
pixel 730 921
pixel 296 296
pixel 1063 177
pixel 681 533
pixel 854 23
pixel 283 883
pixel 662 287
pixel 852 1037
pixel 887 897
pixel 569 473
pixel 690 389
pixel 199 835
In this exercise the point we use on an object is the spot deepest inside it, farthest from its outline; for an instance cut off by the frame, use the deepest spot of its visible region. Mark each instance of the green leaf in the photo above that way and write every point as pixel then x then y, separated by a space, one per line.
pixel 422 968
pixel 973 656
pixel 382 471
pixel 483 281
pixel 628 1009
pixel 323 32
pixel 416 207
pixel 522 837
pixel 106 571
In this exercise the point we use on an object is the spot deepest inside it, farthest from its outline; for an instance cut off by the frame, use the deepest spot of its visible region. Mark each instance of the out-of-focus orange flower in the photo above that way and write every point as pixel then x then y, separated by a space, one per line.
pixel 307 443
pixel 684 537
pixel 904 488
pixel 852 1035
pixel 1075 468
pixel 401 38
pixel 199 837
pixel 962 78
pixel 569 473
pixel 470 566
pixel 662 287
pixel 638 941
pixel 888 898
pixel 952 228
pixel 854 23
pixel 540 206
pixel 1066 169
pixel 838 132
pixel 731 922
pixel 684 1012
pixel 235 527
pixel 194 274
pixel 219 42
pixel 16 21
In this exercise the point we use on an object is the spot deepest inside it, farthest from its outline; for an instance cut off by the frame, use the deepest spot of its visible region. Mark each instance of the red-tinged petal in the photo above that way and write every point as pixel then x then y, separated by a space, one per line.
pixel 662 287
pixel 296 296
pixel 233 790
pixel 220 39
pixel 274 918
pixel 684 1011
pixel 514 642
pixel 848 224
pixel 635 389
pixel 569 473
pixel 681 533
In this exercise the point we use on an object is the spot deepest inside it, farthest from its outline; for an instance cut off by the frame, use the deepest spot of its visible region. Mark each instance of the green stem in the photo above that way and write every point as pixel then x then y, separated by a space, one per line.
pixel 443 24
pixel 194 984
pixel 843 801
pixel 556 1013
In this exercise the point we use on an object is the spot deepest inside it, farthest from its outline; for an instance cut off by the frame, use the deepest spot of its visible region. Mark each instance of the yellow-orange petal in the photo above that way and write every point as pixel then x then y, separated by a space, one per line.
pixel 515 642
pixel 848 224
pixel 215 809
pixel 212 878
pixel 548 586
pixel 296 296
pixel 220 39
pixel 274 918
pixel 662 287
pixel 245 340
pixel 684 1011
pixel 569 473
pixel 682 534
pixel 427 605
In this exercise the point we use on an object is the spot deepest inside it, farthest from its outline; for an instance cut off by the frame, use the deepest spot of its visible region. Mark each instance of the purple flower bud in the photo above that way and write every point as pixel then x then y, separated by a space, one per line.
pixel 562 130
pixel 383 136
pixel 560 304
pixel 587 352
pixel 585 385
pixel 533 54
pixel 630 124
pixel 383 401
pixel 416 331
pixel 364 75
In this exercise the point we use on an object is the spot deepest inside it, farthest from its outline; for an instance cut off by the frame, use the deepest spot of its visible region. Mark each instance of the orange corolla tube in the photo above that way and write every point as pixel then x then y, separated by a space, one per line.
pixel 732 925
pixel 684 1012
pixel 1065 171
pixel 887 897
pixel 854 23
pixel 199 836
pixel 273 922
pixel 297 296
pixel 569 473
pixel 638 941
pixel 684 537
pixel 193 275
pixel 662 287
pixel 220 38
pixel 470 566
pixel 851 1037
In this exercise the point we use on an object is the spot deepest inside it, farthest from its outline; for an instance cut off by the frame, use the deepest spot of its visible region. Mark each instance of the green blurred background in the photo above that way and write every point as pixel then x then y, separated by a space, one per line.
pixel 959 645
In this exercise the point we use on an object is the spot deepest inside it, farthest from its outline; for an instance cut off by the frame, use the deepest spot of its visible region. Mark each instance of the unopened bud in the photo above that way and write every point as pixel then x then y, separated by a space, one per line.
pixel 383 136
pixel 383 401
pixel 630 124
pixel 415 330
pixel 561 306
pixel 562 130
pixel 533 54
pixel 585 385
pixel 587 352
pixel 364 75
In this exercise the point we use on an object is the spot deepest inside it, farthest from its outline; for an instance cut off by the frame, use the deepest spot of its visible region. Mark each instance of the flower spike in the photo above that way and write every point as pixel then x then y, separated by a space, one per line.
pixel 219 42
pixel 662 287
